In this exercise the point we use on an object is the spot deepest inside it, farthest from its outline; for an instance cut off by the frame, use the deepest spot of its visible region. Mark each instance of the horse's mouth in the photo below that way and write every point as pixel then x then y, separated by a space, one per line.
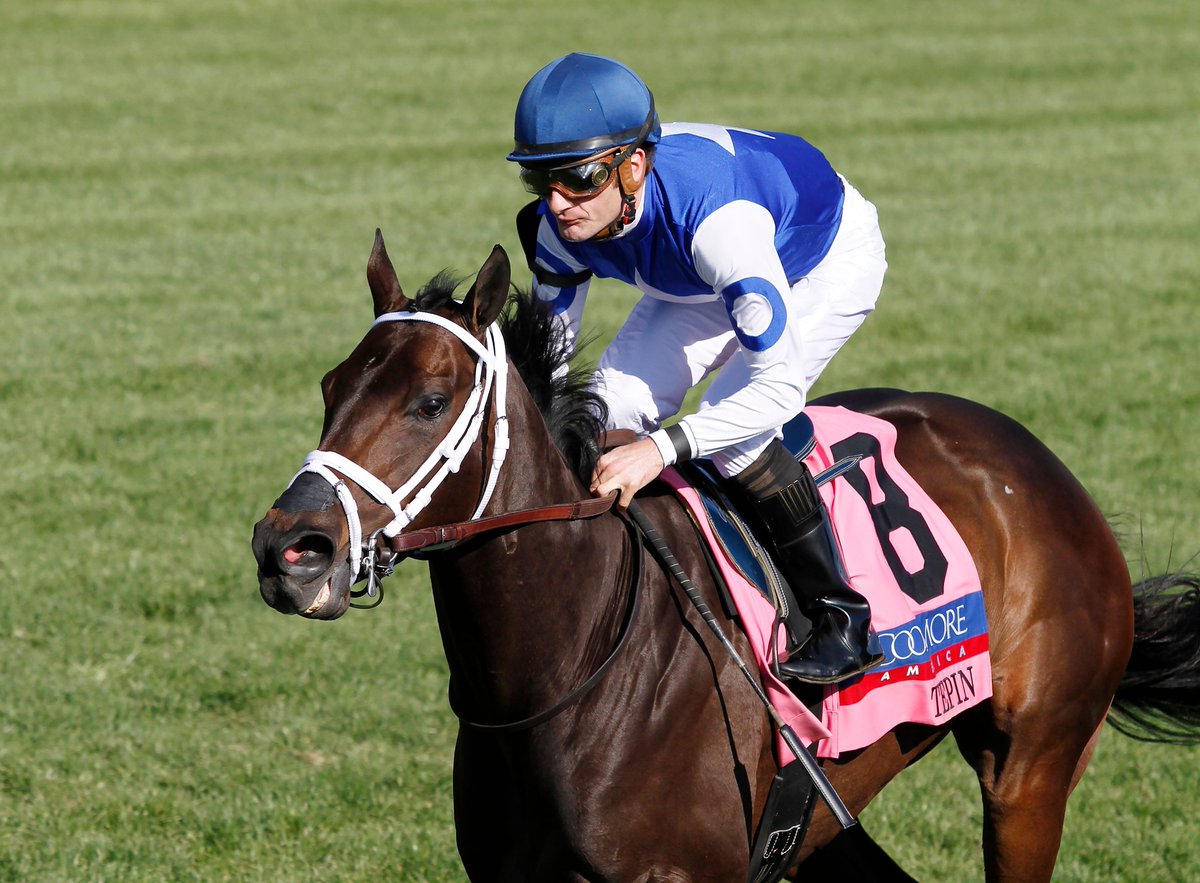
pixel 332 599
pixel 325 599
pixel 321 600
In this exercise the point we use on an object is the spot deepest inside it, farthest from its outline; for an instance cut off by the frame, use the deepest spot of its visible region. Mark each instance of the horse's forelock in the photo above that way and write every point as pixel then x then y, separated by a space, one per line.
pixel 438 292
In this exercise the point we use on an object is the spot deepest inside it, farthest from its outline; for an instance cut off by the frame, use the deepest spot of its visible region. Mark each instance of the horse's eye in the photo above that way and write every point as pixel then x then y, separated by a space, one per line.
pixel 432 407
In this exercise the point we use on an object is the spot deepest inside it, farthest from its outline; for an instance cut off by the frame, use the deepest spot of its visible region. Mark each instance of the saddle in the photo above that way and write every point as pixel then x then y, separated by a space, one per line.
pixel 900 551
pixel 738 539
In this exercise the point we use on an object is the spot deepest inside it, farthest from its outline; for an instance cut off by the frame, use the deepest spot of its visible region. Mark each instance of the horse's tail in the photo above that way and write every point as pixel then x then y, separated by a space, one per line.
pixel 1158 699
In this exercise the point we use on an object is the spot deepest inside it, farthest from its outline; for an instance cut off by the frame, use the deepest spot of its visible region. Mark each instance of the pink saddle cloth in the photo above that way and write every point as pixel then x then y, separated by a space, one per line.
pixel 906 558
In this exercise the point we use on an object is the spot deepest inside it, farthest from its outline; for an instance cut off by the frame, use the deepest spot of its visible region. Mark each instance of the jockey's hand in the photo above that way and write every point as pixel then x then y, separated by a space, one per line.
pixel 627 469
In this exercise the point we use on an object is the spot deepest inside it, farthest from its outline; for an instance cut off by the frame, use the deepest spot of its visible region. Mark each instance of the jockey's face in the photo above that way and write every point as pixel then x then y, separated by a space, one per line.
pixel 580 217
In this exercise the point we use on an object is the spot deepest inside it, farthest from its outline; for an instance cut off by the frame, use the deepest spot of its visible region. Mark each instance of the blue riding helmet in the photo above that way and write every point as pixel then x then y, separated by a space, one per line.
pixel 579 105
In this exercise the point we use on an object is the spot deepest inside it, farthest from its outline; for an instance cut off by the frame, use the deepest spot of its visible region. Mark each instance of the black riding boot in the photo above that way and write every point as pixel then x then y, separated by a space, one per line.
pixel 841 643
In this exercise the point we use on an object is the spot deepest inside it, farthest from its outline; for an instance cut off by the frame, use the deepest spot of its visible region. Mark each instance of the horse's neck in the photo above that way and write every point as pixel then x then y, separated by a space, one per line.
pixel 528 613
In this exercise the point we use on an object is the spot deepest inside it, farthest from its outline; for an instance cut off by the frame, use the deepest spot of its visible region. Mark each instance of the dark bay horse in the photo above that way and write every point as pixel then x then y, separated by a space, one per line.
pixel 645 755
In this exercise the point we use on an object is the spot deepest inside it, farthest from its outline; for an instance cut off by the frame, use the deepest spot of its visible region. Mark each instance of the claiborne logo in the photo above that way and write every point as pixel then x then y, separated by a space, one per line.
pixel 926 636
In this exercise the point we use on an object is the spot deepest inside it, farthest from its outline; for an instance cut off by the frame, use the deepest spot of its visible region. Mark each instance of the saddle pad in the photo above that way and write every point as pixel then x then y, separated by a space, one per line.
pixel 905 557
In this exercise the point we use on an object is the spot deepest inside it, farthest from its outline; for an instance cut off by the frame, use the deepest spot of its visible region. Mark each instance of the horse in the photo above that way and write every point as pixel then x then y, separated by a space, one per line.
pixel 605 734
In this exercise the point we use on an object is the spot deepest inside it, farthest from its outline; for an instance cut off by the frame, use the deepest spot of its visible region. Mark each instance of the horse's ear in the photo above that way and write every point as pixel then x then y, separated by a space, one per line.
pixel 488 295
pixel 385 287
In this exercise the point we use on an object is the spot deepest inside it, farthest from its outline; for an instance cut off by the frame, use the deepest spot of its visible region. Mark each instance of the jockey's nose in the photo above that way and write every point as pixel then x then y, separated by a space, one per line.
pixel 557 201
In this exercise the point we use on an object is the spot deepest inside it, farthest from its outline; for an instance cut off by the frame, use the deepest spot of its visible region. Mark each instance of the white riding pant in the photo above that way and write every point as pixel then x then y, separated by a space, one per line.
pixel 667 347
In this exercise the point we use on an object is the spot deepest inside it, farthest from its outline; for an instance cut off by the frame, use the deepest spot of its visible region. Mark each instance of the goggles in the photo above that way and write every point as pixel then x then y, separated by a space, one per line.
pixel 582 179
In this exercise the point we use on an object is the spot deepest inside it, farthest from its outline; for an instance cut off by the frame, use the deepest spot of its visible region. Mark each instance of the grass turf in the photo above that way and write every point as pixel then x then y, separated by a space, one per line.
pixel 187 198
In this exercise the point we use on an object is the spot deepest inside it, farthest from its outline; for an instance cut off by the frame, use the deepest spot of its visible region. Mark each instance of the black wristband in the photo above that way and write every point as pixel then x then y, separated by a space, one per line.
pixel 679 439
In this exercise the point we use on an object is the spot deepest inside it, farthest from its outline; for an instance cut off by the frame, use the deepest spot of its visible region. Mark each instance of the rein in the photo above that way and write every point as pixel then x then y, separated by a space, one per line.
pixel 449 534
pixel 633 531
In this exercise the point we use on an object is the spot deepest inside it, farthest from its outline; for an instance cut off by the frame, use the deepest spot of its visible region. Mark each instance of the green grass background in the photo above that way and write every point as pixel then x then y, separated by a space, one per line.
pixel 188 193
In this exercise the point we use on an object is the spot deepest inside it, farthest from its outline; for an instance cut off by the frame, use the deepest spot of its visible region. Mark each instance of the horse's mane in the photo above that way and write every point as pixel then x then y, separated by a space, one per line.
pixel 574 414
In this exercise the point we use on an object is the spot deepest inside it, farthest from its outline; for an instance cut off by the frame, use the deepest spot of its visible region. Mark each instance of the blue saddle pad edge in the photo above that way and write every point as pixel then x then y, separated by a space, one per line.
pixel 743 548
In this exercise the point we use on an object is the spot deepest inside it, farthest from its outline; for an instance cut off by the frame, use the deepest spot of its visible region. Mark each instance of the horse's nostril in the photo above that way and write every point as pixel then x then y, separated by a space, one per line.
pixel 311 552
pixel 294 554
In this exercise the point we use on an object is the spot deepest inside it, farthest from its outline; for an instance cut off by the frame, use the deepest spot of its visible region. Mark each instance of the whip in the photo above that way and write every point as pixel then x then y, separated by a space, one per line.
pixel 820 780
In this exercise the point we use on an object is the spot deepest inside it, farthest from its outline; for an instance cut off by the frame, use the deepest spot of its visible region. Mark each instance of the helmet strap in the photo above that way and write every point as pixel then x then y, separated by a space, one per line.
pixel 628 185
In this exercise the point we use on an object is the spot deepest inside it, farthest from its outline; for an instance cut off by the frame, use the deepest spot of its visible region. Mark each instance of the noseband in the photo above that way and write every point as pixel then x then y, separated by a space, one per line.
pixel 491 371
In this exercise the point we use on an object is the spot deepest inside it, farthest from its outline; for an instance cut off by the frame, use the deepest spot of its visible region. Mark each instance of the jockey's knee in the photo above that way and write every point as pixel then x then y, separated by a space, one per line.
pixel 733 461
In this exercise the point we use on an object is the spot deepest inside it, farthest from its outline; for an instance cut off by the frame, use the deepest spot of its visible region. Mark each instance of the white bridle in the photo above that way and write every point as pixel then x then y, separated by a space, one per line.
pixel 492 368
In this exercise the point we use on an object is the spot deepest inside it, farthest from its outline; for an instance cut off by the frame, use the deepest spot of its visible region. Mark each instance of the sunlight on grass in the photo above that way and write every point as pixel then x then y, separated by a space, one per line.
pixel 189 197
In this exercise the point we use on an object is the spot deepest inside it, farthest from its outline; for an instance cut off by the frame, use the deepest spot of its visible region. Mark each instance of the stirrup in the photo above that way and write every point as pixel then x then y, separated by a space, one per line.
pixel 833 677
pixel 842 657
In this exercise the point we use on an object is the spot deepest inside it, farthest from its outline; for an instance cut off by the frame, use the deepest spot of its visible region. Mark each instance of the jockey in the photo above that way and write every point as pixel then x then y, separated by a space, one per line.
pixel 755 259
